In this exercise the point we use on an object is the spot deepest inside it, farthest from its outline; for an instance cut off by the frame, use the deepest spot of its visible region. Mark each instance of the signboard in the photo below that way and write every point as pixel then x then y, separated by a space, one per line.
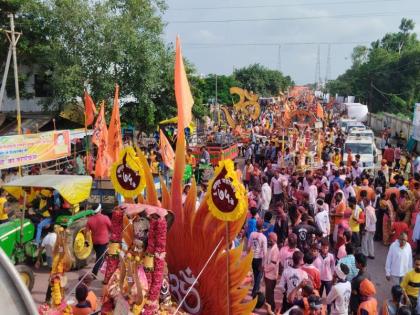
pixel 35 148
pixel 416 122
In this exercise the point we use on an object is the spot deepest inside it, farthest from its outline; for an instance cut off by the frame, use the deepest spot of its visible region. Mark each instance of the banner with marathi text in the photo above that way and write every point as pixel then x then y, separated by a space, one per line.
pixel 35 148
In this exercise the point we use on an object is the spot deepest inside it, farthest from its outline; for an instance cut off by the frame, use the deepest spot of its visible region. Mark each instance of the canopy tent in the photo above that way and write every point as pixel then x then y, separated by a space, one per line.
pixel 174 120
pixel 72 188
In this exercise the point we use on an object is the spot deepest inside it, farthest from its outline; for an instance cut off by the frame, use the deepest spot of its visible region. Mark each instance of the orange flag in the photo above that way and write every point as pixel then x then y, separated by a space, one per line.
pixel 286 111
pixel 90 109
pixel 114 134
pixel 100 138
pixel 166 151
pixel 319 111
pixel 184 99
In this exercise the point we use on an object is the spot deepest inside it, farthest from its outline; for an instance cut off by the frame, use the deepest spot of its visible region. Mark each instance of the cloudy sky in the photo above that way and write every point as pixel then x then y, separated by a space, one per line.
pixel 220 35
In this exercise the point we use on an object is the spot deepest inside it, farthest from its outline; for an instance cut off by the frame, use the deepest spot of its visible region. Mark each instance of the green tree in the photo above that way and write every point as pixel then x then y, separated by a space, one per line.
pixel 261 80
pixel 386 74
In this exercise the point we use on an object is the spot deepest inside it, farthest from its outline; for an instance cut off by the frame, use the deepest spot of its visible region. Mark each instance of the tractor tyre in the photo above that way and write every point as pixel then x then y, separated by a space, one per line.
pixel 27 276
pixel 80 247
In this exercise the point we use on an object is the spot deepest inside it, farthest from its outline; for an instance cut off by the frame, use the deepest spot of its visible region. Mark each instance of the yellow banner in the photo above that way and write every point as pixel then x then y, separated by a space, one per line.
pixel 35 148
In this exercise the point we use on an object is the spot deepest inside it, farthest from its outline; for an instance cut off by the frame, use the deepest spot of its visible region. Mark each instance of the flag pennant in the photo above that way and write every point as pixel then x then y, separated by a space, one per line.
pixel 319 111
pixel 184 99
pixel 100 139
pixel 114 133
pixel 90 109
pixel 166 151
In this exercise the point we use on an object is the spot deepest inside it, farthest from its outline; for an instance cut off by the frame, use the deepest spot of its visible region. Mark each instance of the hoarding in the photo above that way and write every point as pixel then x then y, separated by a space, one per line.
pixel 20 150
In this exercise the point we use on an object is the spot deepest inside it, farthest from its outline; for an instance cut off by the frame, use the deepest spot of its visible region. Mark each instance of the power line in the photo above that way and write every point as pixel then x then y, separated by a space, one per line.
pixel 280 5
pixel 276 44
pixel 300 18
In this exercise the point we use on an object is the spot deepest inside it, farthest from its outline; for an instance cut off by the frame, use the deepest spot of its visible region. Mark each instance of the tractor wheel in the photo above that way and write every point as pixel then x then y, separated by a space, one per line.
pixel 27 276
pixel 80 246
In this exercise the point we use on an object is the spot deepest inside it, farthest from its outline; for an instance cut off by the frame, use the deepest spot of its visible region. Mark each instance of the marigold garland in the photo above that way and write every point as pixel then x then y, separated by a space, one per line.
pixel 159 233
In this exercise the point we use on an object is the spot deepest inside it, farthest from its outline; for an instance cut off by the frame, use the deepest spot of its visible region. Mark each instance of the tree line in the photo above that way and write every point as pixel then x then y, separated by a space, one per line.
pixel 385 75
pixel 71 44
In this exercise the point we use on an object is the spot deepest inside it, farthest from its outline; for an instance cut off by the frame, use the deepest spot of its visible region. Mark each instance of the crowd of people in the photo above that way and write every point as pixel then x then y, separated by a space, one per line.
pixel 311 230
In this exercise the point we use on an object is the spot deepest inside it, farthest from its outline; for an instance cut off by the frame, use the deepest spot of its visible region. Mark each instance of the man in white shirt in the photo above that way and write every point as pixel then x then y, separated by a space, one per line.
pixel 48 244
pixel 370 229
pixel 258 244
pixel 291 278
pixel 271 269
pixel 355 170
pixel 265 196
pixel 313 192
pixel 399 260
pixel 339 297
pixel 277 187
pixel 322 219
pixel 348 189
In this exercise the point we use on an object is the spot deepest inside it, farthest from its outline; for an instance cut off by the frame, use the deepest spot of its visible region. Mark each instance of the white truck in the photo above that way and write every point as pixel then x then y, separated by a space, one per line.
pixel 365 147
pixel 356 111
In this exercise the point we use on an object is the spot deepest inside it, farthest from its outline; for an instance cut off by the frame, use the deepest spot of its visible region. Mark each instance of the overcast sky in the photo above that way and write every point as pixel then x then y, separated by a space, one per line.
pixel 219 42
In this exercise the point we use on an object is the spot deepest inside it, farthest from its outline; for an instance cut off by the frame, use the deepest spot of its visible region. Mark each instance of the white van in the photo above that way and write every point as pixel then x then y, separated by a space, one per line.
pixel 365 147
pixel 343 123
pixel 354 124
pixel 361 132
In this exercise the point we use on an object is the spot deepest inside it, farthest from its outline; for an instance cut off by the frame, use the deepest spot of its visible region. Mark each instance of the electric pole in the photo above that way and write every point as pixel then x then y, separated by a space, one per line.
pixel 328 70
pixel 279 58
pixel 13 38
pixel 318 68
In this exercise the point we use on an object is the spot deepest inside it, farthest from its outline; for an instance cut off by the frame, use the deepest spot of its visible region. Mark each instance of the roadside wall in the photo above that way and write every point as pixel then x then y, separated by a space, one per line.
pixel 378 122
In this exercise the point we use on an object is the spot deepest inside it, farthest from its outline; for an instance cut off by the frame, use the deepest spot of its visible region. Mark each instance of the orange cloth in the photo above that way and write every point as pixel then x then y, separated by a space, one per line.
pixel 100 138
pixel 166 151
pixel 82 311
pixel 90 109
pixel 340 209
pixel 93 300
pixel 114 132
pixel 184 99
pixel 370 306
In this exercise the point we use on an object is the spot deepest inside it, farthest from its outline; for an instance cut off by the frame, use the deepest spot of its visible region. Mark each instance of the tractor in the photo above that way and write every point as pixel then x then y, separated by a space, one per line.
pixel 17 236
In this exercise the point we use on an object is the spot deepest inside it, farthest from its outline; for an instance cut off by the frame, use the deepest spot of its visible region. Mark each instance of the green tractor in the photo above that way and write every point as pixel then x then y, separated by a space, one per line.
pixel 17 236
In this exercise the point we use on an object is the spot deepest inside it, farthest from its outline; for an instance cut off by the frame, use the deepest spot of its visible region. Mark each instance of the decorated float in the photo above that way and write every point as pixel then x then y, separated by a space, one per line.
pixel 163 255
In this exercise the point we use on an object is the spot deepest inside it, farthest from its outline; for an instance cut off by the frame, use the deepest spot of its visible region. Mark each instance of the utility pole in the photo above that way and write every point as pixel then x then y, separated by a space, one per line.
pixel 13 39
pixel 328 70
pixel 279 59
pixel 318 68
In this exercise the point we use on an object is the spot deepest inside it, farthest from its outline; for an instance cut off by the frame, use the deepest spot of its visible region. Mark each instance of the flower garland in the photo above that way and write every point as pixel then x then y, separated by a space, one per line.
pixel 148 268
pixel 112 258
pixel 159 228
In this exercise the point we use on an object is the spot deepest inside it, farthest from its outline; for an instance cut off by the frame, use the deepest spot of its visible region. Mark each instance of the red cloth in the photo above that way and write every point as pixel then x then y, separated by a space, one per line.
pixel 100 225
pixel 389 155
pixel 399 227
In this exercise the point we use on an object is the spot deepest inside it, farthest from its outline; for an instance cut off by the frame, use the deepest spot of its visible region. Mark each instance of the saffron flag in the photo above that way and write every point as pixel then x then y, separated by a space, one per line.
pixel 114 133
pixel 319 111
pixel 184 99
pixel 90 109
pixel 286 111
pixel 166 151
pixel 100 139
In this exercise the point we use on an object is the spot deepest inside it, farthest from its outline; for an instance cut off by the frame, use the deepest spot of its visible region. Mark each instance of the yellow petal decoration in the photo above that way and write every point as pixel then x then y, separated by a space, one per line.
pixel 226 196
pixel 127 175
